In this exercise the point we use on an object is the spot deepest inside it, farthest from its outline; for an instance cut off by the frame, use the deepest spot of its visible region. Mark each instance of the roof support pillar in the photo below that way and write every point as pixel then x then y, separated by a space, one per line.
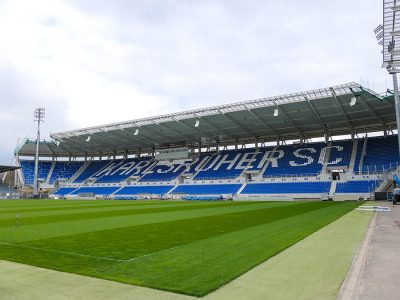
pixel 326 136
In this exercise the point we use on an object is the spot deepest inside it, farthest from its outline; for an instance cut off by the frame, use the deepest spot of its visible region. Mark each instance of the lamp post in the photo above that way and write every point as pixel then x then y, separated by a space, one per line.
pixel 38 114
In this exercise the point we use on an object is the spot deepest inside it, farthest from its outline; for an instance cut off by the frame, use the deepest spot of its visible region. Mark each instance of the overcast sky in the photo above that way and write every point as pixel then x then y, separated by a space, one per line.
pixel 94 62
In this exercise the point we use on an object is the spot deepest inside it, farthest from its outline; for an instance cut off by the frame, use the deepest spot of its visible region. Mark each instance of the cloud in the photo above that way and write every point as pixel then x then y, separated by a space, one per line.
pixel 92 64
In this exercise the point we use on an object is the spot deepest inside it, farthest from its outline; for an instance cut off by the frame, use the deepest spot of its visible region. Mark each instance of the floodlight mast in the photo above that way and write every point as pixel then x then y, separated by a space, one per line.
pixel 396 102
pixel 388 36
pixel 393 71
pixel 38 115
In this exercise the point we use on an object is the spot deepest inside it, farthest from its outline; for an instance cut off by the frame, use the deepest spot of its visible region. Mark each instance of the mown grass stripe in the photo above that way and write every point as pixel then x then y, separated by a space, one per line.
pixel 72 207
pixel 60 208
pixel 143 239
pixel 59 251
pixel 86 214
pixel 41 231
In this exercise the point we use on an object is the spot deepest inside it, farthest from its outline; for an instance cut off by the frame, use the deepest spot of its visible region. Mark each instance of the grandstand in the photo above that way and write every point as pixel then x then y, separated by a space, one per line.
pixel 7 189
pixel 270 148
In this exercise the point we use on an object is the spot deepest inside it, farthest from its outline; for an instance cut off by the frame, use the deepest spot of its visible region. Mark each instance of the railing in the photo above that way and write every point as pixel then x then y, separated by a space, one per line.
pixel 158 179
pixel 292 175
pixel 375 186
pixel 377 169
pixel 216 178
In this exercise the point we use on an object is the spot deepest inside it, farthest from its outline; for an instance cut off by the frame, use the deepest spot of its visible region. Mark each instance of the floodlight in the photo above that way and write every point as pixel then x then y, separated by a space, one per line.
pixel 353 101
pixel 136 132
pixel 395 8
pixel 38 114
pixel 197 124
pixel 276 112
pixel 88 138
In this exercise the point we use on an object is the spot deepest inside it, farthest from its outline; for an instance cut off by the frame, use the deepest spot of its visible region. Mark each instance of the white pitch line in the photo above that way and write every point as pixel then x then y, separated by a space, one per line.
pixel 62 252
pixel 153 253
pixel 92 256
pixel 88 255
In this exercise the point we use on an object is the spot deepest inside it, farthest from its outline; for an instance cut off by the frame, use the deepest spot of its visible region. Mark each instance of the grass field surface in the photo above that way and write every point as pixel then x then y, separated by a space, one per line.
pixel 185 247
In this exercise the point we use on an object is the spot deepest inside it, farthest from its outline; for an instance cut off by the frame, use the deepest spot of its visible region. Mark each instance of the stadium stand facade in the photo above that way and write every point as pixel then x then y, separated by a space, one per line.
pixel 240 166
pixel 231 172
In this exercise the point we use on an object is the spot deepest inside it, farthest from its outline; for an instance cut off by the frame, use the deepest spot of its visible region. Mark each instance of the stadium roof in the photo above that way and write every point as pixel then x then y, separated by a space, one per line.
pixel 7 168
pixel 302 115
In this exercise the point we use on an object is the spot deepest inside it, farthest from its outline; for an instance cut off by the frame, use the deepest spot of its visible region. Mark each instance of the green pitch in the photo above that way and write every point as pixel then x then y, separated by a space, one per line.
pixel 185 247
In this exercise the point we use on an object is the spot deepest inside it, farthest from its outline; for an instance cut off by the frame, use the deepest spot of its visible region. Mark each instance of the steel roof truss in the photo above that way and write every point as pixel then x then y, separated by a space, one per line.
pixel 341 109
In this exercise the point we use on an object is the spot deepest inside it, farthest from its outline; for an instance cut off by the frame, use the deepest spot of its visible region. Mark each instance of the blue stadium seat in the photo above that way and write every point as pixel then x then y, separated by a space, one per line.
pixel 97 190
pixel 91 169
pixel 296 160
pixel 197 163
pixel 151 189
pixel 65 170
pixel 207 189
pixel 286 160
pixel 28 170
pixel 287 188
pixel 382 154
pixel 164 172
pixel 360 186
pixel 120 170
pixel 340 153
pixel 222 165
pixel 64 191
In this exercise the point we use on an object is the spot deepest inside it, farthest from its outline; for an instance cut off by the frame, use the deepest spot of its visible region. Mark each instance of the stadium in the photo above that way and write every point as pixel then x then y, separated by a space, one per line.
pixel 285 197
pixel 232 151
